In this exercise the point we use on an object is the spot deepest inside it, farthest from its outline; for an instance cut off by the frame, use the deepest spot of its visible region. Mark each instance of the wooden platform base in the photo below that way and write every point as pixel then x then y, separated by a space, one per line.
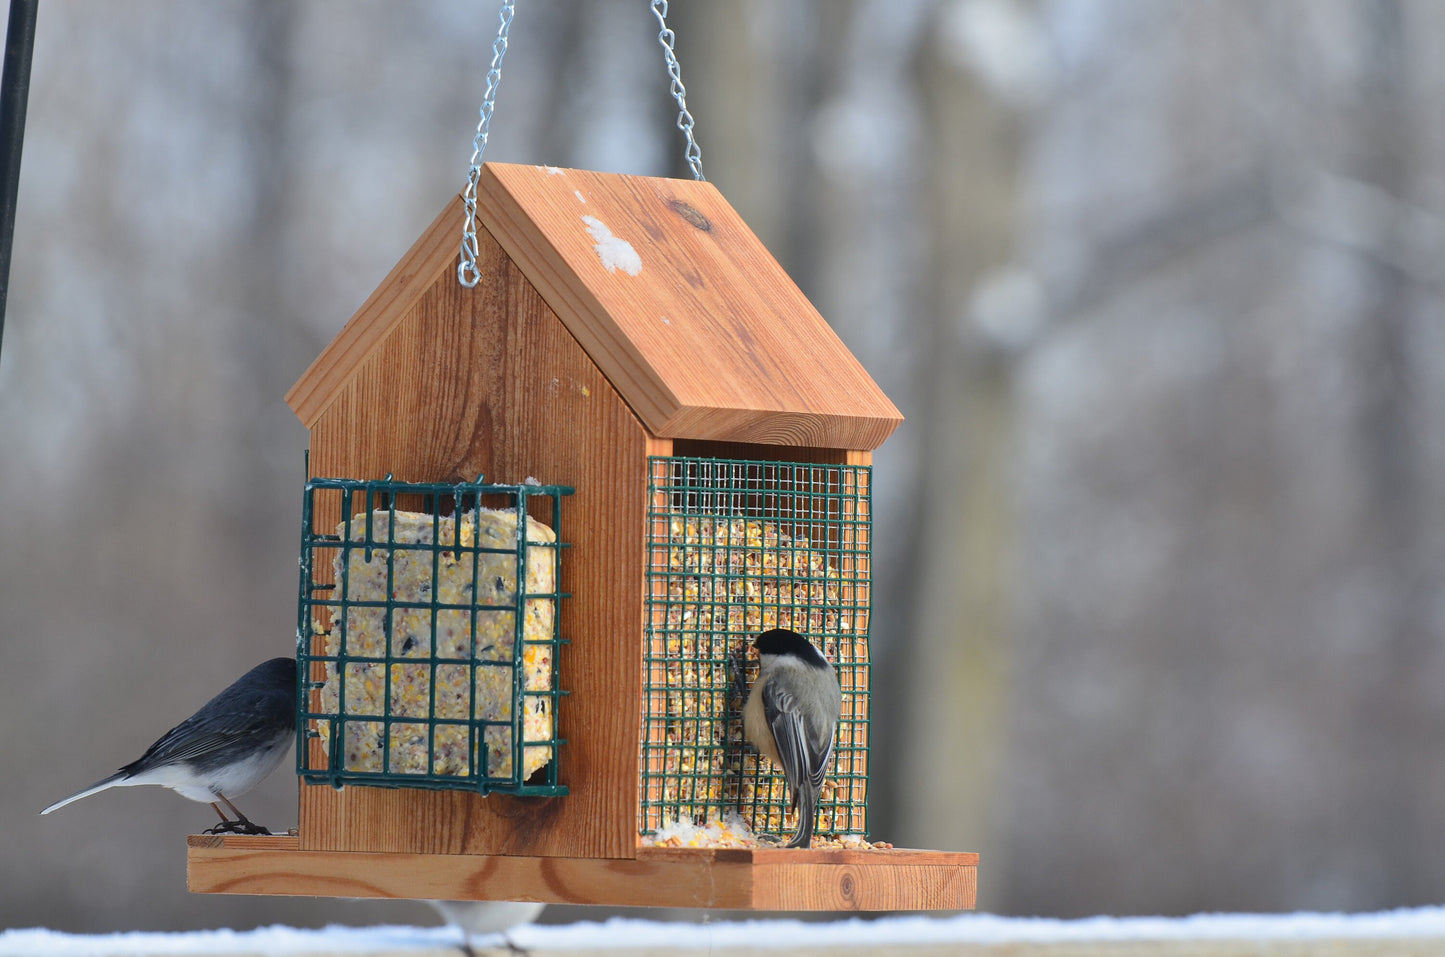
pixel 725 878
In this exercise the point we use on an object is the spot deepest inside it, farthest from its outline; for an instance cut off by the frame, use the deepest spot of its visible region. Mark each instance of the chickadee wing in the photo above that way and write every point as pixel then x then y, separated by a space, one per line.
pixel 790 734
pixel 805 750
pixel 819 754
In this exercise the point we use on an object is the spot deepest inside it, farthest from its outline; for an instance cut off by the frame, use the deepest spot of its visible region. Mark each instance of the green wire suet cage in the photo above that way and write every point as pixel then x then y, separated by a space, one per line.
pixel 428 630
pixel 736 547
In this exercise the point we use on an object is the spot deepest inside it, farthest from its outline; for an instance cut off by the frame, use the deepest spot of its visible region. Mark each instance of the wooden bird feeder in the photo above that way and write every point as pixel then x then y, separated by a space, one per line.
pixel 631 339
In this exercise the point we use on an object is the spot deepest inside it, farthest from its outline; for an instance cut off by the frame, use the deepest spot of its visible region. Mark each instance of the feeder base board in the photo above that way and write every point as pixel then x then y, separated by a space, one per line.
pixel 725 878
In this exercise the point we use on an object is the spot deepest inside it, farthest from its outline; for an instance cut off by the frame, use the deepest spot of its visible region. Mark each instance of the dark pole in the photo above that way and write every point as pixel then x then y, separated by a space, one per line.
pixel 14 92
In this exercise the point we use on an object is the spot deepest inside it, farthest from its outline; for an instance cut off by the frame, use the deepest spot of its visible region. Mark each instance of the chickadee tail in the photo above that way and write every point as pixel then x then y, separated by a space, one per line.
pixel 118 777
pixel 805 800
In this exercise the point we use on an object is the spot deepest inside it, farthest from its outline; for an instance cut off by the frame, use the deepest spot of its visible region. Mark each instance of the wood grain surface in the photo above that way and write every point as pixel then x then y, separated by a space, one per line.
pixel 616 317
pixel 710 339
pixel 762 879
pixel 488 381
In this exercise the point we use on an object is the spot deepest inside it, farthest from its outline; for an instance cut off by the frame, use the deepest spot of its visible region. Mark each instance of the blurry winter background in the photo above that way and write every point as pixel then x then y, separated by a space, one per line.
pixel 1158 285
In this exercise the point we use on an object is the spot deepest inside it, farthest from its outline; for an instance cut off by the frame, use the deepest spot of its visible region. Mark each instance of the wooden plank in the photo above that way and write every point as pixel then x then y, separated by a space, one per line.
pixel 836 879
pixel 872 856
pixel 654 678
pixel 760 879
pixel 488 380
pixel 856 887
pixel 855 592
pixel 683 309
pixel 433 251
pixel 265 842
pixel 703 448
pixel 558 880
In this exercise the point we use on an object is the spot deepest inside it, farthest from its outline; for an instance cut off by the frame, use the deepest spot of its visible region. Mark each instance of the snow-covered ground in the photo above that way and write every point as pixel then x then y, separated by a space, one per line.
pixel 768 934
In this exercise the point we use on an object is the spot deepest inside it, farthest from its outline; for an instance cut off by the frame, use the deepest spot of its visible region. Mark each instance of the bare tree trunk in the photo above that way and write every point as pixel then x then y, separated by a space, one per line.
pixel 956 663
pixel 1386 446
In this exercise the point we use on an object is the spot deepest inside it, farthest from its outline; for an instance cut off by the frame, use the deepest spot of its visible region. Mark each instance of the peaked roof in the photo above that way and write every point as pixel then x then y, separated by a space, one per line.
pixel 672 296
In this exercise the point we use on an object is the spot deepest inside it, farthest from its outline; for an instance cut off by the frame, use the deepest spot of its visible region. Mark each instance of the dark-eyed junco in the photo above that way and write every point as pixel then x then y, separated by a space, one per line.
pixel 227 747
pixel 791 715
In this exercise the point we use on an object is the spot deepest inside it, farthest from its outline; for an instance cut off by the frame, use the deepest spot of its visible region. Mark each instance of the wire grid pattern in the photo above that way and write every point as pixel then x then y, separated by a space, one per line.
pixel 409 607
pixel 737 547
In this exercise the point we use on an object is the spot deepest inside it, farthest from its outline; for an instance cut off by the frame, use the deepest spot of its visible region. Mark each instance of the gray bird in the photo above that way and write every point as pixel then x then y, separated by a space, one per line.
pixel 791 716
pixel 227 747
pixel 487 917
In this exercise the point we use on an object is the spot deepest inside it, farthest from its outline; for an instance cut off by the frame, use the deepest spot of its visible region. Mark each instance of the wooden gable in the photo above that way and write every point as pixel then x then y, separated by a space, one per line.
pixel 505 391
pixel 684 311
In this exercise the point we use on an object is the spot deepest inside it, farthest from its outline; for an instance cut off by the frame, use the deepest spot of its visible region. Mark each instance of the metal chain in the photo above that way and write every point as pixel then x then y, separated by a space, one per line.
pixel 467 272
pixel 693 153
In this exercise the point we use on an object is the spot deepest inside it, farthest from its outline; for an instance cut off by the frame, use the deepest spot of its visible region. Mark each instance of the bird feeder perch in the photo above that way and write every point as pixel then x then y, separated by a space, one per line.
pixel 705 441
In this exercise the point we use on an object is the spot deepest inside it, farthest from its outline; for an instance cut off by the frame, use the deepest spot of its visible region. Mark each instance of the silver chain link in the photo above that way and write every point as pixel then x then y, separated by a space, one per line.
pixel 467 272
pixel 693 153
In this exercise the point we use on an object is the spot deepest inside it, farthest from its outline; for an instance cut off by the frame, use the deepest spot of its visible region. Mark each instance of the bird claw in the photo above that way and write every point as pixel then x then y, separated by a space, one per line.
pixel 466 947
pixel 738 665
pixel 515 948
pixel 237 827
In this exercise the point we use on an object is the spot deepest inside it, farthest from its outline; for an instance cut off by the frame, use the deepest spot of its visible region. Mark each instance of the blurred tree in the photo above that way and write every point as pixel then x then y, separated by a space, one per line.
pixel 952 678
pixel 1158 286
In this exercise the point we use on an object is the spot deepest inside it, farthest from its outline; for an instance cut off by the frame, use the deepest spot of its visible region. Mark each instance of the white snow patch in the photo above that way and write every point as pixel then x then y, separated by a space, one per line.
pixel 665 321
pixel 615 253
pixel 555 171
pixel 976 928
pixel 580 198
pixel 39 942
pixel 629 933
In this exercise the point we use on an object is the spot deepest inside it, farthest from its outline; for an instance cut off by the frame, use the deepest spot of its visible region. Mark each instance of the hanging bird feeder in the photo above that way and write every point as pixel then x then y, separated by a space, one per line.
pixel 688 451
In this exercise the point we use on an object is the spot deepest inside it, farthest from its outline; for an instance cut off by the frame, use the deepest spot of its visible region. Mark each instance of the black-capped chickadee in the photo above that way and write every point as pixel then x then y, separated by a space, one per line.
pixel 791 715
pixel 487 917
pixel 227 747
